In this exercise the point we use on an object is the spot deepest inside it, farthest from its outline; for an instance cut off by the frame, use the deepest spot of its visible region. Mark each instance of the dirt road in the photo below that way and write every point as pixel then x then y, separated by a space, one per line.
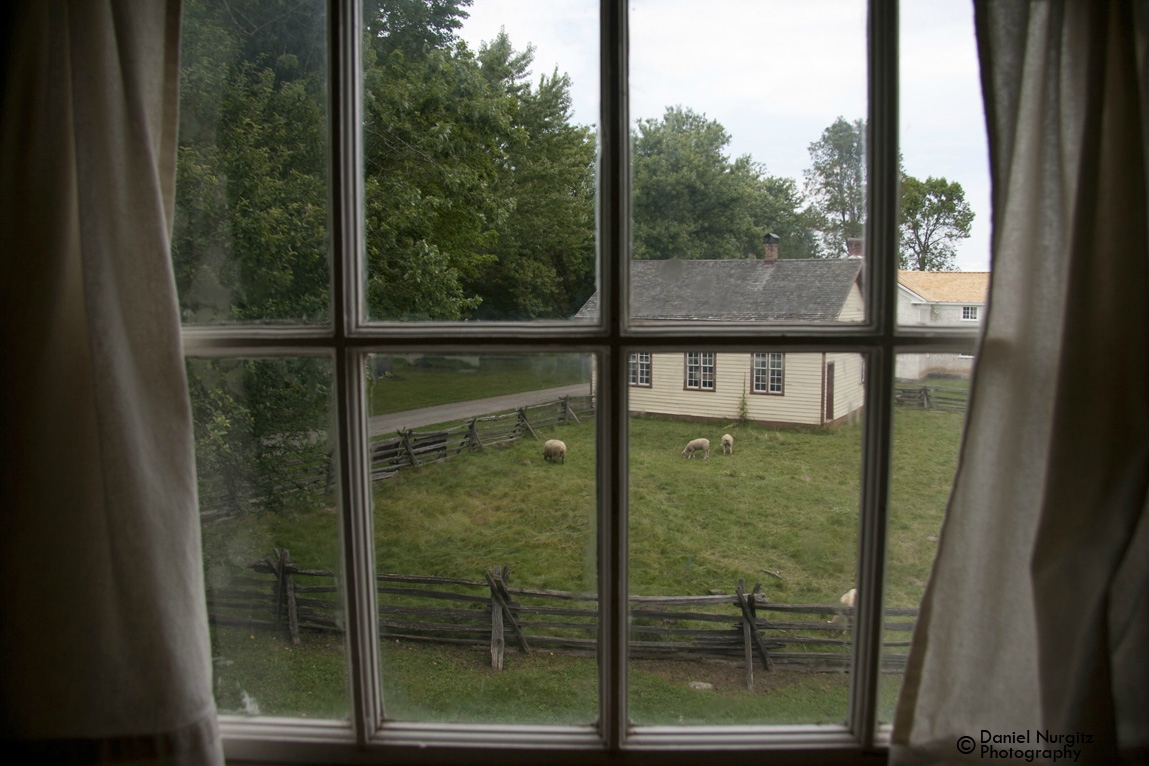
pixel 382 424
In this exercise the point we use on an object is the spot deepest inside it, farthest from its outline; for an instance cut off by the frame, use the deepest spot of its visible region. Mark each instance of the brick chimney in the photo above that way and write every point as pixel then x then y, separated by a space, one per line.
pixel 855 246
pixel 770 247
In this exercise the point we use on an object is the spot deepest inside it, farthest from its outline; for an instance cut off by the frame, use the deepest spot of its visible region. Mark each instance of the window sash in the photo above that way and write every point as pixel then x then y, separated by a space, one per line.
pixel 769 373
pixel 699 371
pixel 640 369
pixel 348 339
pixel 774 384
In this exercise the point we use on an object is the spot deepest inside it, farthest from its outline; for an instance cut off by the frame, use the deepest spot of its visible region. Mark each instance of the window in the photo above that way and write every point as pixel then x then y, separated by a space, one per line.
pixel 969 313
pixel 347 289
pixel 640 369
pixel 700 370
pixel 769 373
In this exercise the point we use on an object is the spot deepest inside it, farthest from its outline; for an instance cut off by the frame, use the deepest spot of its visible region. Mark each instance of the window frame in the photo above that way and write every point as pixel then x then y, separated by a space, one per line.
pixel 768 373
pixel 699 369
pixel 969 313
pixel 348 338
pixel 635 366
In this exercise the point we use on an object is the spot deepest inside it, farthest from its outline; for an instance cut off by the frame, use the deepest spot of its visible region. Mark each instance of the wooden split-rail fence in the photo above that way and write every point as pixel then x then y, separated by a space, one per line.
pixel 932 397
pixel 742 627
pixel 409 448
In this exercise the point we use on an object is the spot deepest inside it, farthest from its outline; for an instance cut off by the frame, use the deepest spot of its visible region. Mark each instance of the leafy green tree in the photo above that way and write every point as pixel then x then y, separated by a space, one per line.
pixel 250 235
pixel 836 184
pixel 691 201
pixel 935 216
pixel 781 209
pixel 545 249
pixel 434 135
pixel 479 201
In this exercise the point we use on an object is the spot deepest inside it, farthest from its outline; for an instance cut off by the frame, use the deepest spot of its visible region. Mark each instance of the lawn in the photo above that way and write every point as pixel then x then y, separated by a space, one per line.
pixel 782 511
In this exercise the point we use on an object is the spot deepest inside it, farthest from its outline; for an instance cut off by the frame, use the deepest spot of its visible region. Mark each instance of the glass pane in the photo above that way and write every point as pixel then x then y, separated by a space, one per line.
pixel 932 392
pixel 748 170
pixel 945 168
pixel 480 154
pixel 270 535
pixel 772 514
pixel 250 237
pixel 483 476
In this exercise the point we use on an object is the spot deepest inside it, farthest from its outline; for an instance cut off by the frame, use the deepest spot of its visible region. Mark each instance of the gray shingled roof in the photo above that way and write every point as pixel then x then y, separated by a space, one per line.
pixel 738 290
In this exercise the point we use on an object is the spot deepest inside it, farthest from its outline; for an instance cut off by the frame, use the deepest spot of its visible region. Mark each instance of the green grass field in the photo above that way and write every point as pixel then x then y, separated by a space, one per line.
pixel 782 511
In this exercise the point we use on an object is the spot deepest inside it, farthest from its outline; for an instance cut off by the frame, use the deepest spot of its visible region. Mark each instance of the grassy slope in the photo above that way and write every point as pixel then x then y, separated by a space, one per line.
pixel 785 502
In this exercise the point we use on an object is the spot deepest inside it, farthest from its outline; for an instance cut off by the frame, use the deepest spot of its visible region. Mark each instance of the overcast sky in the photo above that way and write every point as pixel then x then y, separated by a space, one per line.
pixel 775 74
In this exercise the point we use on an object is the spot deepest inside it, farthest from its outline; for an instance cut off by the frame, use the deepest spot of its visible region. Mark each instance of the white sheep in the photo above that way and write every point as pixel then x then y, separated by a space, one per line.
pixel 727 444
pixel 847 600
pixel 555 450
pixel 694 446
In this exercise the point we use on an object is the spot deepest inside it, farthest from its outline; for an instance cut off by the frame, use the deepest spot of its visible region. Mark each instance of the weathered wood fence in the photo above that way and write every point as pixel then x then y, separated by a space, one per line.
pixel 412 448
pixel 744 627
pixel 932 397
pixel 221 499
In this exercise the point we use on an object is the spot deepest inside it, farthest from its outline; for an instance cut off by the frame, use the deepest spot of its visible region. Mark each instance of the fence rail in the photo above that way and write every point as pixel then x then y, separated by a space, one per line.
pixel 407 449
pixel 743 627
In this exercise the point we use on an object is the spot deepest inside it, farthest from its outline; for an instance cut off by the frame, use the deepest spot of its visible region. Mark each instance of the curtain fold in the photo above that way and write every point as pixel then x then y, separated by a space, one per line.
pixel 104 648
pixel 1036 617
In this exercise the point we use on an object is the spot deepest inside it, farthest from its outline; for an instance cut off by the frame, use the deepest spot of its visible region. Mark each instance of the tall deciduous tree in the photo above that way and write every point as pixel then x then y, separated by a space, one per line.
pixel 836 184
pixel 935 216
pixel 544 253
pixel 691 201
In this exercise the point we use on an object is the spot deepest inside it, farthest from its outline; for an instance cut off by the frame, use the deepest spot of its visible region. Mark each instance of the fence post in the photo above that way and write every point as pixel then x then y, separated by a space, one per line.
pixel 473 440
pixel 748 618
pixel 276 566
pixel 569 413
pixel 524 423
pixel 498 642
pixel 926 397
pixel 497 581
pixel 747 646
pixel 285 566
pixel 406 437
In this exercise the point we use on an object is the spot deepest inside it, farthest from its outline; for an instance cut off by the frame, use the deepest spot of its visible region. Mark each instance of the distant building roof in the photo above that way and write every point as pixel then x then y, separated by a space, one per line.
pixel 947 286
pixel 738 290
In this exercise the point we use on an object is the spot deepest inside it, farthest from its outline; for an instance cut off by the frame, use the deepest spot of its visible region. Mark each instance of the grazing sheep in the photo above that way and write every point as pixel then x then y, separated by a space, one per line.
pixel 727 444
pixel 694 446
pixel 555 450
pixel 847 599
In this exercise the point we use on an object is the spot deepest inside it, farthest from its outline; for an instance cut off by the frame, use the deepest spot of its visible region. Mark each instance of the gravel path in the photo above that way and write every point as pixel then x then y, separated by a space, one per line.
pixel 427 416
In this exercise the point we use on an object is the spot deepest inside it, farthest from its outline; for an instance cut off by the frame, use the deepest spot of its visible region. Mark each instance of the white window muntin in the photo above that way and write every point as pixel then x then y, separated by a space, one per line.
pixel 348 339
pixel 700 370
pixel 769 373
pixel 640 368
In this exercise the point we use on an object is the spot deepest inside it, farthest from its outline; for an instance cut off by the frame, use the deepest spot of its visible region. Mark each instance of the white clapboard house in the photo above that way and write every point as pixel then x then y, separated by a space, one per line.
pixel 779 388
pixel 939 299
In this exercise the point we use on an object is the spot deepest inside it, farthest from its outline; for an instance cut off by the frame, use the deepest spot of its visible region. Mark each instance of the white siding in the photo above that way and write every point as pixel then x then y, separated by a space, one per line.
pixel 917 366
pixel 912 310
pixel 854 309
pixel 801 401
pixel 849 391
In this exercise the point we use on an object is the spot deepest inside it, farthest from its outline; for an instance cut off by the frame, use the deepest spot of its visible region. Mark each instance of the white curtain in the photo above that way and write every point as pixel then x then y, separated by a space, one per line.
pixel 104 649
pixel 1036 617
